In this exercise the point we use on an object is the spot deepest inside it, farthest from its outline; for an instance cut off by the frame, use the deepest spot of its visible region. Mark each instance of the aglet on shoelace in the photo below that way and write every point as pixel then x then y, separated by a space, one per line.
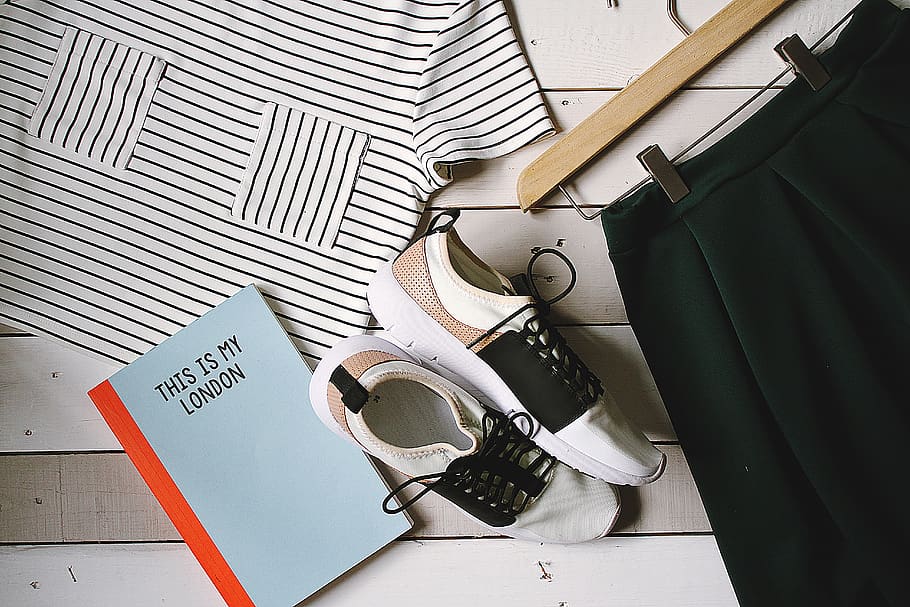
pixel 495 474
pixel 546 339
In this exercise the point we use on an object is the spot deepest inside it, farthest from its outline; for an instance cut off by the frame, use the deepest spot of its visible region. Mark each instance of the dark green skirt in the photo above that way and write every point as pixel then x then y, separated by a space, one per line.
pixel 773 307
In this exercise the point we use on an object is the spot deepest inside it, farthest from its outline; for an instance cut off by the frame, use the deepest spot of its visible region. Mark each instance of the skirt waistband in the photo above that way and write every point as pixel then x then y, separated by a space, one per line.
pixel 648 210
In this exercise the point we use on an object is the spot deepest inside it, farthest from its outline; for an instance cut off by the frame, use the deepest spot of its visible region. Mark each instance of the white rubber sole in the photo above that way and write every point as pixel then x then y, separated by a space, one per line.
pixel 430 342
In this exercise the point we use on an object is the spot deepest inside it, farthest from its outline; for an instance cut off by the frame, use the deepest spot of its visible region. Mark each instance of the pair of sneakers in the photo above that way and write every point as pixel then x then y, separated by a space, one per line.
pixel 538 459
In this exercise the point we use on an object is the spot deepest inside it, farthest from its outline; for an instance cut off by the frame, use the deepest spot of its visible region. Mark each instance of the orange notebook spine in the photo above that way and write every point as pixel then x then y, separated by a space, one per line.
pixel 162 485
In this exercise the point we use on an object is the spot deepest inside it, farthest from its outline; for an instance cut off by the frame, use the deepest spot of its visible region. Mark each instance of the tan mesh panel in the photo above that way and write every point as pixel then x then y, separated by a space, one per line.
pixel 360 362
pixel 412 273
pixel 356 365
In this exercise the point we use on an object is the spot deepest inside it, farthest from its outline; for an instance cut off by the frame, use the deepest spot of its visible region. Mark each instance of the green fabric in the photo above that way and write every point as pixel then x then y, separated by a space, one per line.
pixel 773 307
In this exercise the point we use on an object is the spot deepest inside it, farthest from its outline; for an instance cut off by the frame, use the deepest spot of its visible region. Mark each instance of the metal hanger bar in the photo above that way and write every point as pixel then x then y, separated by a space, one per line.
pixel 674 17
pixel 591 216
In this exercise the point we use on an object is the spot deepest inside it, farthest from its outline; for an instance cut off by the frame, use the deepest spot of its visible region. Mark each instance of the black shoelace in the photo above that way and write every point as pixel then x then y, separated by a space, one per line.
pixel 503 474
pixel 546 340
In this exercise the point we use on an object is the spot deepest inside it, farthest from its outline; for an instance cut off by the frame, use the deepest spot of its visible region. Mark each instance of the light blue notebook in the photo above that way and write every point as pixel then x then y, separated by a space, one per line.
pixel 217 420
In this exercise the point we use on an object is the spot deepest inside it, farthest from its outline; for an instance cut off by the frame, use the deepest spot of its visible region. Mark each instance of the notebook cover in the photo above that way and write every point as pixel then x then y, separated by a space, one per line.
pixel 218 422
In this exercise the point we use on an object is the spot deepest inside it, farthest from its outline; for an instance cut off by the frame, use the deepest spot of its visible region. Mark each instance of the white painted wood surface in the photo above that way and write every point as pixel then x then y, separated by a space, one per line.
pixel 583 44
pixel 620 572
pixel 101 498
pixel 85 497
pixel 44 407
pixel 63 478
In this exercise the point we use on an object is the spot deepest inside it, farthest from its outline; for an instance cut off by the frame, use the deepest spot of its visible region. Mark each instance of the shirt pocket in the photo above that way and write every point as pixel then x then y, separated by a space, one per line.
pixel 301 175
pixel 96 97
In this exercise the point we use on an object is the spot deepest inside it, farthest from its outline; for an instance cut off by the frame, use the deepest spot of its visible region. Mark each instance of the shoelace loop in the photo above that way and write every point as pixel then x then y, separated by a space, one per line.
pixel 503 474
pixel 436 225
pixel 545 339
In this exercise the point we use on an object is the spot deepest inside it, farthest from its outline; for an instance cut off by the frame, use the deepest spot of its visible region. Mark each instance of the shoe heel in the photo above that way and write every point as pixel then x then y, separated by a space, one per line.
pixel 320 379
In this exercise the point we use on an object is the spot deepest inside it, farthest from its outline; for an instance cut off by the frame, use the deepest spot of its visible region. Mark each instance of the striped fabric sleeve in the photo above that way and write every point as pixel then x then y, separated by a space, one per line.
pixel 477 97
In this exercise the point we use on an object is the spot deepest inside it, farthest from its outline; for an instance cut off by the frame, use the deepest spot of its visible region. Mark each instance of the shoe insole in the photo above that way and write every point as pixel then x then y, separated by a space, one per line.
pixel 408 414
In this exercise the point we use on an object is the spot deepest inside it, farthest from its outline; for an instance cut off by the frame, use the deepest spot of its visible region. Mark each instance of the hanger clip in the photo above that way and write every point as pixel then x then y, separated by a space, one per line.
pixel 795 52
pixel 664 173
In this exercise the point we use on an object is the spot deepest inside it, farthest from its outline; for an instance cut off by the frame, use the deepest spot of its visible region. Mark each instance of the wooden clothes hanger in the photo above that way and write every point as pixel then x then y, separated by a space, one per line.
pixel 645 94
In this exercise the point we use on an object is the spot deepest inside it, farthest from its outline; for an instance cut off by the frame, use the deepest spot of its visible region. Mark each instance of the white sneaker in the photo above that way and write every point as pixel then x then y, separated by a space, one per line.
pixel 373 394
pixel 460 315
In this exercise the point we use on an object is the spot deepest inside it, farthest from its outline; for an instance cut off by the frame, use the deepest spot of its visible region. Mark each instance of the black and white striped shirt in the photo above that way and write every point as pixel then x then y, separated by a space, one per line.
pixel 158 155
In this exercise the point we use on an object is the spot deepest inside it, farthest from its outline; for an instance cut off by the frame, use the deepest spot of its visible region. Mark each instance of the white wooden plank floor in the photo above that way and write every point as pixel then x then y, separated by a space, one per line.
pixel 79 528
